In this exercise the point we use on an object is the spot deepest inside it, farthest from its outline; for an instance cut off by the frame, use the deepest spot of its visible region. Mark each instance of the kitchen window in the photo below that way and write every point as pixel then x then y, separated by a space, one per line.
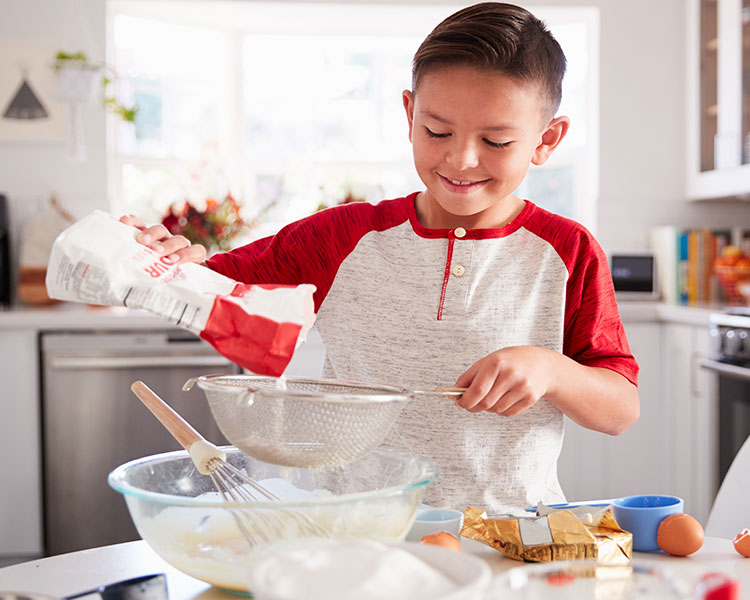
pixel 294 106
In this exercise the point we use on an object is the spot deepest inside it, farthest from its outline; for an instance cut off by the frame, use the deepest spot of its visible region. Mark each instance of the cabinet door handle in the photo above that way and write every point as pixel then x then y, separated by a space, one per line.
pixel 726 369
pixel 134 362
pixel 696 359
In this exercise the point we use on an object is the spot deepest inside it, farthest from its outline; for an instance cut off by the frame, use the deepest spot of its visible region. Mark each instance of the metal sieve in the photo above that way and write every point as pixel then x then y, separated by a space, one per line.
pixel 301 422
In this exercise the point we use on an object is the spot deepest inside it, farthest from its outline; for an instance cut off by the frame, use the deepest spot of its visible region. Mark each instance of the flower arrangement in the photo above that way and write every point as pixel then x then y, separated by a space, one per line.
pixel 215 227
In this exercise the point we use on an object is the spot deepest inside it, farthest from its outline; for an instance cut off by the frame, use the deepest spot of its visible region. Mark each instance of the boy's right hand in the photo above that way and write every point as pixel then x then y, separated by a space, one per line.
pixel 157 237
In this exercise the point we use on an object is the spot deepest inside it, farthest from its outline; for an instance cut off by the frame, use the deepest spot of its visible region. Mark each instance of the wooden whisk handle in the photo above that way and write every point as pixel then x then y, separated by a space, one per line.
pixel 182 431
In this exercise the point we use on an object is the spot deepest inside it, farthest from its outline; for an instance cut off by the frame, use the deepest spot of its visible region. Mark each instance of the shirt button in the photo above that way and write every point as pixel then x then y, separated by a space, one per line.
pixel 459 232
pixel 459 270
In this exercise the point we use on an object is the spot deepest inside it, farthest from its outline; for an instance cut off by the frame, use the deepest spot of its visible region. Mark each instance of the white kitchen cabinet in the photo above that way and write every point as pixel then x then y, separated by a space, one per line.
pixel 691 394
pixel 21 510
pixel 581 468
pixel 636 460
pixel 595 465
pixel 718 99
pixel 20 447
pixel 671 449
pixel 308 358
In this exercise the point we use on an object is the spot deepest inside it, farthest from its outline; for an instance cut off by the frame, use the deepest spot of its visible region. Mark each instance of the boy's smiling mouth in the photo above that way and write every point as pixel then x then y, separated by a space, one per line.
pixel 460 185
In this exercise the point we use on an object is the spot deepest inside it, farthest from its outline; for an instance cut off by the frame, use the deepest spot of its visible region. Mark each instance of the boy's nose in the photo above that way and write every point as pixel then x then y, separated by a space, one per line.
pixel 463 155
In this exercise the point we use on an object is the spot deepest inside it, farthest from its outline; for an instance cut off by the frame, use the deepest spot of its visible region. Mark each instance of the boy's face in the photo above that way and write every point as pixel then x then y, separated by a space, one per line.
pixel 474 134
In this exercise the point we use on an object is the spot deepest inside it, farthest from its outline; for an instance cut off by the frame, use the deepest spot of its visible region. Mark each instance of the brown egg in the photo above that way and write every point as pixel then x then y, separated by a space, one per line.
pixel 742 543
pixel 679 534
pixel 442 538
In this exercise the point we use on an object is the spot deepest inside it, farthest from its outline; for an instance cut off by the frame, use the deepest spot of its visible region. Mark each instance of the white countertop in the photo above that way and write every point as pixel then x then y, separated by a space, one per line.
pixel 67 315
pixel 632 311
pixel 76 572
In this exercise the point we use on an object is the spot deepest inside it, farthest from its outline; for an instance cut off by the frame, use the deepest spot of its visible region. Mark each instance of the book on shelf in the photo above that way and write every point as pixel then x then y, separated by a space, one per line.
pixel 684 262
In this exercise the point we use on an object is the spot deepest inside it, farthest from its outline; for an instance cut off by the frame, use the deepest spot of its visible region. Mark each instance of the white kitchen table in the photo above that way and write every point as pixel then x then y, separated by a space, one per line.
pixel 68 574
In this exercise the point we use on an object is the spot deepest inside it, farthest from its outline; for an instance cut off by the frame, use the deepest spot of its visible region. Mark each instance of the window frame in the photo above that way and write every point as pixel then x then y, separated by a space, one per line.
pixel 233 20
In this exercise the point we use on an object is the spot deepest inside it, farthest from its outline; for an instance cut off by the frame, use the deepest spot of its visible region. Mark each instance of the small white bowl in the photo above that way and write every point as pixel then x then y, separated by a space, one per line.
pixel 429 520
pixel 335 569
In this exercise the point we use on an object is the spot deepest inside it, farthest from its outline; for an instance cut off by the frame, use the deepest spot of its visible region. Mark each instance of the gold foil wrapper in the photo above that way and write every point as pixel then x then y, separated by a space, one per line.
pixel 560 535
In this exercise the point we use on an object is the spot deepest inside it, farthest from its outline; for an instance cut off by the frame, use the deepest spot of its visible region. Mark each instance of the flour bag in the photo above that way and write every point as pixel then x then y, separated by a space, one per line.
pixel 98 261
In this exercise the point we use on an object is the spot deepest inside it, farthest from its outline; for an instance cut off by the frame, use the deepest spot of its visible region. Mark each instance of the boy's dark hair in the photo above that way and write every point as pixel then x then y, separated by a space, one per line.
pixel 500 37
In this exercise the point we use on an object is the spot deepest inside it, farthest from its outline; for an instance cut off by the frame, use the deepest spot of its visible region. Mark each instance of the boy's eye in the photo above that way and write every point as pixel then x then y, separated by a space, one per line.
pixel 497 144
pixel 435 135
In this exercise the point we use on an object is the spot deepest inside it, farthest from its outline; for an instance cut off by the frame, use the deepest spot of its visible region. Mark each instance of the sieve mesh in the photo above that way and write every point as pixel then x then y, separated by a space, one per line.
pixel 305 423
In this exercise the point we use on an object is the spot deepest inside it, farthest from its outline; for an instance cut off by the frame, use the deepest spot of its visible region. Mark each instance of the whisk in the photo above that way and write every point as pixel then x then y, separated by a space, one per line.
pixel 234 486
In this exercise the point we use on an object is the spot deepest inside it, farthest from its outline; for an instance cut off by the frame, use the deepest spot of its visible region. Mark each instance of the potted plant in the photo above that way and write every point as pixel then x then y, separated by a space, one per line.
pixel 78 79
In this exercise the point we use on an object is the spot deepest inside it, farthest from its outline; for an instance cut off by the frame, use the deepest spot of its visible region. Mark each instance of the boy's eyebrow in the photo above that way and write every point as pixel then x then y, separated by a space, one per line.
pixel 498 127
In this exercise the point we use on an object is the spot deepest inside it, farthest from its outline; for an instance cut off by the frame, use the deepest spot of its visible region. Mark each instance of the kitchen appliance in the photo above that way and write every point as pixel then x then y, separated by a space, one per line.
pixel 730 360
pixel 5 278
pixel 634 275
pixel 91 422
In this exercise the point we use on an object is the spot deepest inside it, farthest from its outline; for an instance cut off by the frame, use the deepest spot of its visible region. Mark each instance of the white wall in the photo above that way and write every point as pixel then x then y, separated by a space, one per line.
pixel 643 65
pixel 31 171
pixel 642 119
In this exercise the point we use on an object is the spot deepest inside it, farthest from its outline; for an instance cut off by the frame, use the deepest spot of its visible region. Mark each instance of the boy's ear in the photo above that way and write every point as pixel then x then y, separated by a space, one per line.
pixel 551 137
pixel 408 99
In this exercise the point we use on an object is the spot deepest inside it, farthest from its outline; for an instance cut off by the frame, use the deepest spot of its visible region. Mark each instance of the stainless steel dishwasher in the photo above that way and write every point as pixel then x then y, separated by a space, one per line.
pixel 92 422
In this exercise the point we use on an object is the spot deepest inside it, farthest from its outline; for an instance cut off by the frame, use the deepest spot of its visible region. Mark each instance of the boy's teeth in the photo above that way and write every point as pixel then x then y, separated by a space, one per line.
pixel 455 182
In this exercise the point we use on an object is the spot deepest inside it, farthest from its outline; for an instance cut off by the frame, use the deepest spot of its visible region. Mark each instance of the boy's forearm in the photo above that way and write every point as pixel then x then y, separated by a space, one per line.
pixel 594 397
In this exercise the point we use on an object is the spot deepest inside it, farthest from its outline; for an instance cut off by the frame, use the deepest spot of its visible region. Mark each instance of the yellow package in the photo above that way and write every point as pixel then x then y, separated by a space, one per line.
pixel 559 535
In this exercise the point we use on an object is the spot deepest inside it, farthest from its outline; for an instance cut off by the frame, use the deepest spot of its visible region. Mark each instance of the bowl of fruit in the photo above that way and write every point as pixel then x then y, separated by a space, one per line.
pixel 732 268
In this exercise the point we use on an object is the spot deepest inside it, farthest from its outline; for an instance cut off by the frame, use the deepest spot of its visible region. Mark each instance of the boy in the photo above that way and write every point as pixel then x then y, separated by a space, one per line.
pixel 464 282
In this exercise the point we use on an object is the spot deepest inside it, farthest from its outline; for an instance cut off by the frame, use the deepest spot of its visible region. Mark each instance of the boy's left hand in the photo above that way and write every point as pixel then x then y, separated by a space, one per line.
pixel 506 382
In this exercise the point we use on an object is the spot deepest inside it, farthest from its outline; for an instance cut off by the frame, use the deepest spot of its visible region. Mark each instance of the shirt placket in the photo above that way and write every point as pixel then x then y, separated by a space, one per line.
pixel 456 261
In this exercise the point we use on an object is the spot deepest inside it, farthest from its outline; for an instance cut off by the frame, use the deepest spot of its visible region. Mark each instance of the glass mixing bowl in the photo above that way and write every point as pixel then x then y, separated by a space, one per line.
pixel 181 516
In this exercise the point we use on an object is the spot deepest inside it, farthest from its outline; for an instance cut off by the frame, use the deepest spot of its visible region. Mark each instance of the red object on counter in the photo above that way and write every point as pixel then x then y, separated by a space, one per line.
pixel 559 579
pixel 718 586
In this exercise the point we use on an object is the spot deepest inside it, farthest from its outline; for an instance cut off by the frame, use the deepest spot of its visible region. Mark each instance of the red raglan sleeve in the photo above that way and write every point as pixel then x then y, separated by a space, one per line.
pixel 593 333
pixel 306 251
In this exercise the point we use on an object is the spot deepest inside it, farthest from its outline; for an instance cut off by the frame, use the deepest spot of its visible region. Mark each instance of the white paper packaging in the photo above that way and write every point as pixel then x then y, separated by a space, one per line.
pixel 98 261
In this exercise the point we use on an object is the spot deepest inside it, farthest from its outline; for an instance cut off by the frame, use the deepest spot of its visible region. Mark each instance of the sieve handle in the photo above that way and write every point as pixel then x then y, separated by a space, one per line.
pixel 444 392
pixel 180 429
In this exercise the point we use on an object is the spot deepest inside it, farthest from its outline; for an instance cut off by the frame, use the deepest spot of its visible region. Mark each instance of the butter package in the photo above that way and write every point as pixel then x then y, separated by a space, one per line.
pixel 559 535
pixel 98 261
